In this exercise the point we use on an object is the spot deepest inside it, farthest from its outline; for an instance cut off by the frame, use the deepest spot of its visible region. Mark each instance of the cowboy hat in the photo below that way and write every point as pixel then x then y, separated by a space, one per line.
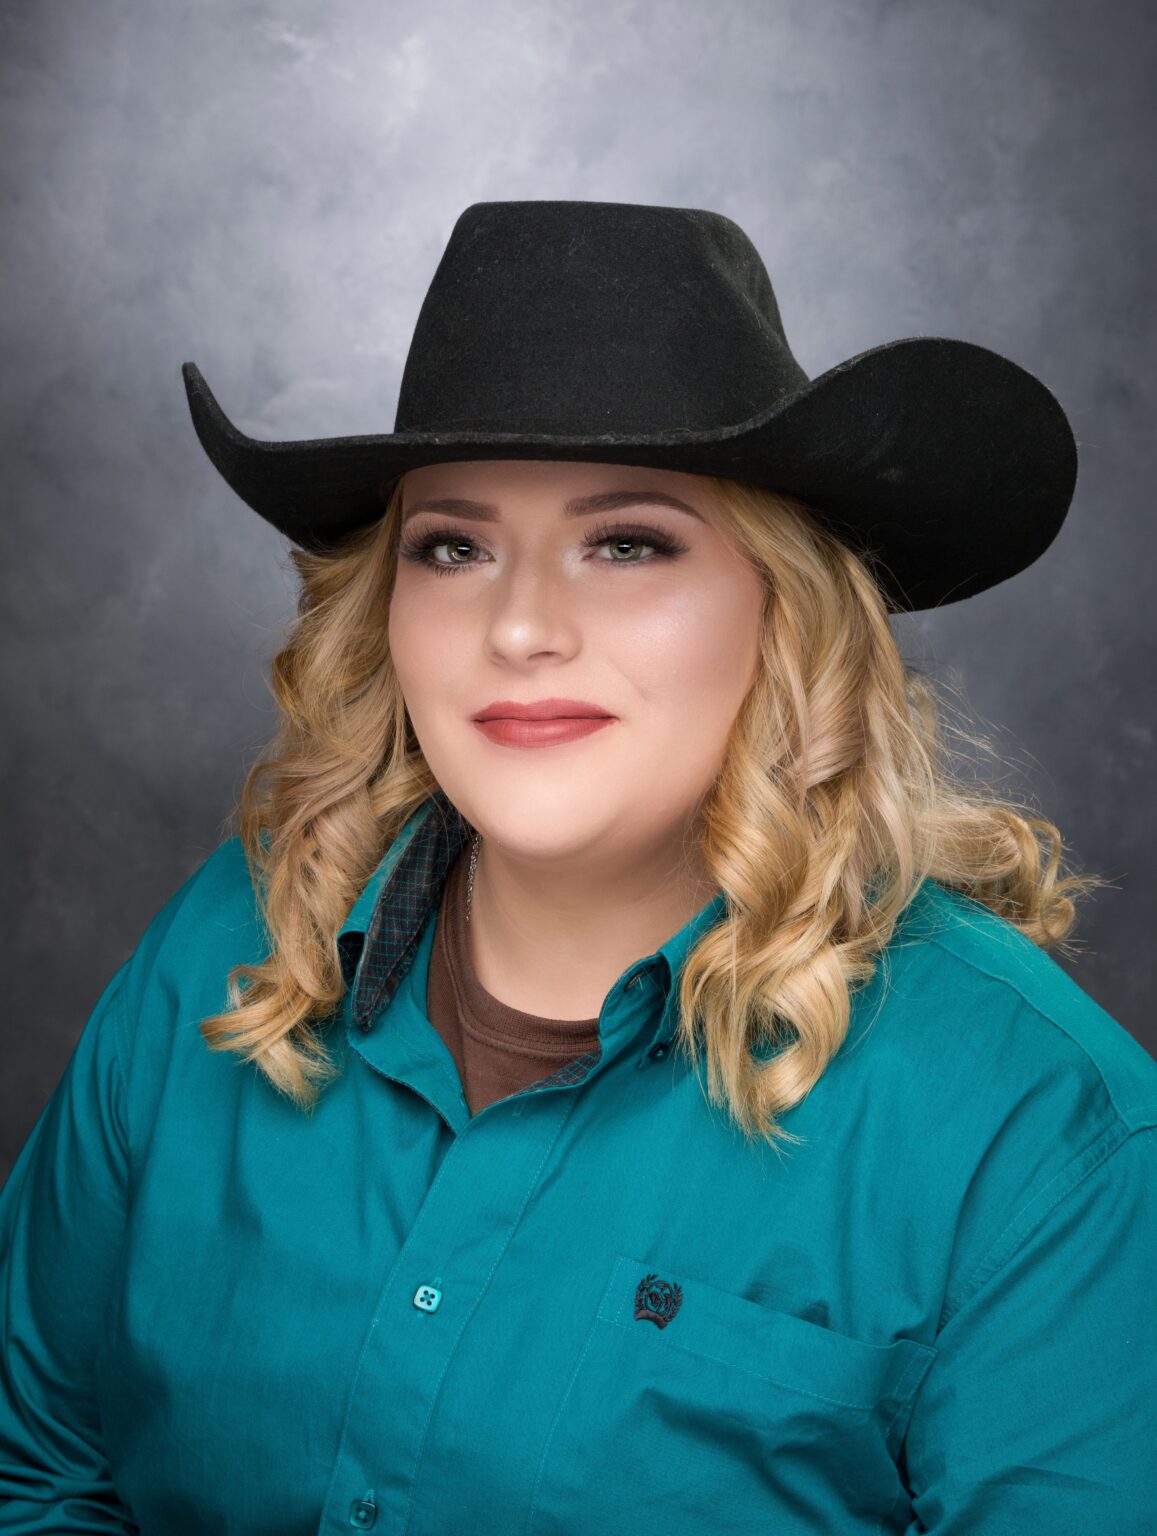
pixel 639 334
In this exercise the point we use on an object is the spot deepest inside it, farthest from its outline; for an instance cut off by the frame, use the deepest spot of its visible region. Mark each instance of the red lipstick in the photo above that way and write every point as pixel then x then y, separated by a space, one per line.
pixel 542 709
pixel 541 733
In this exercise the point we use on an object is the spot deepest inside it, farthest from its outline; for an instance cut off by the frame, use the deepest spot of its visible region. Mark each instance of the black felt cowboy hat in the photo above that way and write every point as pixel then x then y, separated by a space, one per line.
pixel 635 334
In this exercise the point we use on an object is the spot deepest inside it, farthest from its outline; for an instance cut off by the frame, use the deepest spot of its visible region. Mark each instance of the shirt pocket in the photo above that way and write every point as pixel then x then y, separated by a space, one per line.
pixel 726 1414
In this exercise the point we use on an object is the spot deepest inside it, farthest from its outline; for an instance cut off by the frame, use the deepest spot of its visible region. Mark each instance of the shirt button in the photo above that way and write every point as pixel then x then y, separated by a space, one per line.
pixel 427 1297
pixel 363 1512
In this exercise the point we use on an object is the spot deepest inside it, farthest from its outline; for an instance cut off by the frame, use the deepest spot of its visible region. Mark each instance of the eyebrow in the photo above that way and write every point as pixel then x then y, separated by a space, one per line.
pixel 577 506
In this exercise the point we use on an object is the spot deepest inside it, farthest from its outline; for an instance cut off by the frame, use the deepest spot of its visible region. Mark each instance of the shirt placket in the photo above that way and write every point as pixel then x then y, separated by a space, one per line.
pixel 490 1170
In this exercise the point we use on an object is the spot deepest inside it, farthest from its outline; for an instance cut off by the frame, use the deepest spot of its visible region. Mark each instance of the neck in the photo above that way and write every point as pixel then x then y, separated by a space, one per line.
pixel 553 941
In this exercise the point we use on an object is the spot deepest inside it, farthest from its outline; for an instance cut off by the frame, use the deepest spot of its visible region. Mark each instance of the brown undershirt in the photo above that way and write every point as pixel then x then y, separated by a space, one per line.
pixel 498 1050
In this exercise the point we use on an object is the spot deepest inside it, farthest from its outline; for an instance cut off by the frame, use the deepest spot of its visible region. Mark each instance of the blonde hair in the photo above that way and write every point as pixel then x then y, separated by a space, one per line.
pixel 835 799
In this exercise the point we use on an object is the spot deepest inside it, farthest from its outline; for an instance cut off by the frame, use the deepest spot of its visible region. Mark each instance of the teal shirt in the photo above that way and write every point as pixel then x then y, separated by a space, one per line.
pixel 593 1307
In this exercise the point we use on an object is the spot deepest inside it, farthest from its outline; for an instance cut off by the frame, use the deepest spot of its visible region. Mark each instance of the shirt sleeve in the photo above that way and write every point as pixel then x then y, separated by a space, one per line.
pixel 61 1226
pixel 1039 1412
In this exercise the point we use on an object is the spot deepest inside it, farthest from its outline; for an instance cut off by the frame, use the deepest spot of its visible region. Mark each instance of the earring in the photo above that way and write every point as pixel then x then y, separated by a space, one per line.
pixel 477 840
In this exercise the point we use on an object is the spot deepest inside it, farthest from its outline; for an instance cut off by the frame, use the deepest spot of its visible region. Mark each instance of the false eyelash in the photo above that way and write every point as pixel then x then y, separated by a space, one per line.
pixel 418 549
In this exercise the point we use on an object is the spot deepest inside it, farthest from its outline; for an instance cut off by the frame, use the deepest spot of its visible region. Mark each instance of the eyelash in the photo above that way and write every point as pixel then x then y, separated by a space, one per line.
pixel 418 549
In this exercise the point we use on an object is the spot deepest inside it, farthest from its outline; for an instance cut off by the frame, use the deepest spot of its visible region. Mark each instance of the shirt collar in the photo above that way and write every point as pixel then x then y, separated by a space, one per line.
pixel 378 939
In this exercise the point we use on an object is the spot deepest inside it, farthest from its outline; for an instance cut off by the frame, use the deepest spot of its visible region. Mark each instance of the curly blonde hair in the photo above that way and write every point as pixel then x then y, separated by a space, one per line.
pixel 835 800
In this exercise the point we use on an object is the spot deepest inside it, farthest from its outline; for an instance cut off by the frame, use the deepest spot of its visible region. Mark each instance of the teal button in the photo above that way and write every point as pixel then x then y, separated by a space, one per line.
pixel 363 1512
pixel 656 1053
pixel 427 1298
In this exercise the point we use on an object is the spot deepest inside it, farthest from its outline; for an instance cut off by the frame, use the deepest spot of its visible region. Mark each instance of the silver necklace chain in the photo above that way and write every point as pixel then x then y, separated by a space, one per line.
pixel 473 866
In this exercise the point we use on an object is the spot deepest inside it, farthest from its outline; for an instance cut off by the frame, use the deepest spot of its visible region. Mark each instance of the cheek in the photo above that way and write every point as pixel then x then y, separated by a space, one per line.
pixel 697 650
pixel 412 653
pixel 421 642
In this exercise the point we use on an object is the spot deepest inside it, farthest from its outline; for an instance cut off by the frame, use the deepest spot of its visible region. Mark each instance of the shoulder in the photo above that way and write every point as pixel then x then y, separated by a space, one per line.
pixel 983 1071
pixel 210 920
pixel 971 989
pixel 178 974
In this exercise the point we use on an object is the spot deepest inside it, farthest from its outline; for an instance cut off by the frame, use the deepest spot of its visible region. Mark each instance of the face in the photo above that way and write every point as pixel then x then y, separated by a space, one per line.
pixel 638 607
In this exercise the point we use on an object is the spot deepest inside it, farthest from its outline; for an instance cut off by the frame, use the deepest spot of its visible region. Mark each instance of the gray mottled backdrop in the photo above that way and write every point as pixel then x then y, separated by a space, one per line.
pixel 267 188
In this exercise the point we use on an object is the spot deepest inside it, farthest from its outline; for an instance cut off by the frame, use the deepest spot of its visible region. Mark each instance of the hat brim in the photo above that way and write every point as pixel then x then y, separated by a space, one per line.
pixel 948 466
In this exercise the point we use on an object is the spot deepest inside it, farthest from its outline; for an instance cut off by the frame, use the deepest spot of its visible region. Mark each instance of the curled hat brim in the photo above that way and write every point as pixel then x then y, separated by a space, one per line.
pixel 947 465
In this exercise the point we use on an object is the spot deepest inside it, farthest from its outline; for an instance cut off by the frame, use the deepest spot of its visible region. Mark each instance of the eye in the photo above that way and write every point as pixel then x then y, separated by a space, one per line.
pixel 419 549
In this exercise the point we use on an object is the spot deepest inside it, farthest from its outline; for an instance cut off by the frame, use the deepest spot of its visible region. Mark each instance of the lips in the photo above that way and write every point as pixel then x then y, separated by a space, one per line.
pixel 541 733
pixel 543 709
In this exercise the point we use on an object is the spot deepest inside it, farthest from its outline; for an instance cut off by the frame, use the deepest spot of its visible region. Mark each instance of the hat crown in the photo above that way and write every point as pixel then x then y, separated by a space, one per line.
pixel 588 318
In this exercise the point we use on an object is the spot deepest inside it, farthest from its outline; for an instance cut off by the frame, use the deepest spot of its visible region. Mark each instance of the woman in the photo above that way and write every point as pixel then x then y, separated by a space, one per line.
pixel 384 1188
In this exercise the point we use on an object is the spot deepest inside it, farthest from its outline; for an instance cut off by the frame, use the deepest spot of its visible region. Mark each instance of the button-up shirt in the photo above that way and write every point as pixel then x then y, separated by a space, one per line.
pixel 594 1306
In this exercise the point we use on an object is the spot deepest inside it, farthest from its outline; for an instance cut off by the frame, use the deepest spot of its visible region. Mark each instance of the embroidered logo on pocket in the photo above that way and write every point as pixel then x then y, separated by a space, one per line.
pixel 657 1300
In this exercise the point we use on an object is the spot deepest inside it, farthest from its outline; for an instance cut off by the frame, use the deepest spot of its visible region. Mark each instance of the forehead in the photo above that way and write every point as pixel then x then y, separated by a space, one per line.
pixel 496 480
